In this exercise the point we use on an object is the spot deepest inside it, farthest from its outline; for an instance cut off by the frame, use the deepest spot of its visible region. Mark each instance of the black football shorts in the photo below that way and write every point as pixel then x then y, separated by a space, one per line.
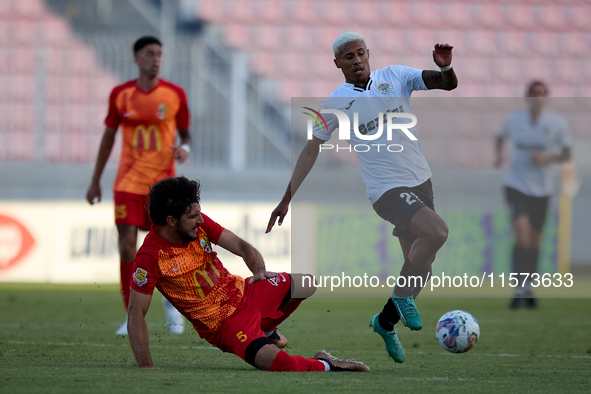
pixel 399 205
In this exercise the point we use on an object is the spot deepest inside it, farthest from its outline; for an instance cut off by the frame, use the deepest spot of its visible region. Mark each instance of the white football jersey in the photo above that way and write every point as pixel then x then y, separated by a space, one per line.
pixel 387 160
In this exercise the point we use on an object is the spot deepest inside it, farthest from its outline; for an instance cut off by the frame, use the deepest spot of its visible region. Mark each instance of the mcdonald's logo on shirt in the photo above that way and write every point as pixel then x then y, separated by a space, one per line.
pixel 146 139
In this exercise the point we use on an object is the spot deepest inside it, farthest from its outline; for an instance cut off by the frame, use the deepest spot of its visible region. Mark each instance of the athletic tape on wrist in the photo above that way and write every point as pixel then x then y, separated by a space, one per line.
pixel 186 148
pixel 446 68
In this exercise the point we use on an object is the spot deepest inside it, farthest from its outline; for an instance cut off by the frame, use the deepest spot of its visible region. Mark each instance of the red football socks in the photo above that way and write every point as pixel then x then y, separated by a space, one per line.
pixel 285 363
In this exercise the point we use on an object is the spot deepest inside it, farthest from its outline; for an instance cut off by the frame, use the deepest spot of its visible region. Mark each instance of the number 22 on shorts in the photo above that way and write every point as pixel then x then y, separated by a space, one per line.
pixel 242 337
pixel 409 199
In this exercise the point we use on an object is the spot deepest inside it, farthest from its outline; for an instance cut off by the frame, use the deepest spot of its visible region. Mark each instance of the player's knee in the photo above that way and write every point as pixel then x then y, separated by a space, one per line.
pixel 439 235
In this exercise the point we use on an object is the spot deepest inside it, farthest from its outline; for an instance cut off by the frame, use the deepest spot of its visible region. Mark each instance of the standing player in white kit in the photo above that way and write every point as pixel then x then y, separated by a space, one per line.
pixel 398 184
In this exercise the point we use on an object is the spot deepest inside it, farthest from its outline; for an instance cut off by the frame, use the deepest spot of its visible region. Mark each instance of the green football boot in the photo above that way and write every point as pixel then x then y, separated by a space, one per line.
pixel 393 345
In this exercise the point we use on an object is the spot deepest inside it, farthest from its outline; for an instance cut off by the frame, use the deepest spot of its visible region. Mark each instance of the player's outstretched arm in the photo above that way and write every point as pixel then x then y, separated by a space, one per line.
pixel 138 330
pixel 94 190
pixel 182 151
pixel 252 257
pixel 303 166
pixel 445 80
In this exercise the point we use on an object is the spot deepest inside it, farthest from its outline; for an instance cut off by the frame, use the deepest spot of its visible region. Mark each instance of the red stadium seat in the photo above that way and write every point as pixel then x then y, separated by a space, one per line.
pixel 23 117
pixel 211 11
pixel 237 36
pixel 366 13
pixel 420 41
pixel 5 33
pixel 574 44
pixel 334 13
pixel 240 11
pixel 267 37
pixel 458 15
pixel 299 38
pixel 426 15
pixel 264 64
pixel 580 17
pixel 569 71
pixel 272 12
pixel 82 61
pixel 22 89
pixel 521 17
pixel 304 13
pixel 55 32
pixel 290 88
pixel 481 42
pixel 24 33
pixel 488 16
pixel 552 17
pixel 5 10
pixel 396 15
pixel 21 60
pixel 390 41
pixel 474 70
pixel 28 9
pixel 507 70
pixel 515 44
pixel 545 43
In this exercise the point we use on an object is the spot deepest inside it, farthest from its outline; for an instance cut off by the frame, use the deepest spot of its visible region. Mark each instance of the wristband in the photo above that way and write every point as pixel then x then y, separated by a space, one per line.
pixel 186 148
pixel 446 68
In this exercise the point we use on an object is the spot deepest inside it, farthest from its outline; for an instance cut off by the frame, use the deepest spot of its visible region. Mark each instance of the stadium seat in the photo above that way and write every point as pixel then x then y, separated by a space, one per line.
pixel 211 11
pixel 521 17
pixel 22 89
pixel 304 13
pixel 55 32
pixel 507 70
pixel 82 61
pixel 28 9
pixel 5 33
pixel 481 42
pixel 552 16
pixel 515 44
pixel 272 12
pixel 21 60
pixel 23 117
pixel 267 37
pixel 390 41
pixel 545 43
pixel 290 88
pixel 580 16
pixel 425 15
pixel 5 10
pixel 488 16
pixel 396 15
pixel 334 13
pixel 299 38
pixel 263 63
pixel 24 33
pixel 474 70
pixel 237 36
pixel 458 15
pixel 241 12
pixel 420 41
pixel 574 44
pixel 366 13
pixel 568 71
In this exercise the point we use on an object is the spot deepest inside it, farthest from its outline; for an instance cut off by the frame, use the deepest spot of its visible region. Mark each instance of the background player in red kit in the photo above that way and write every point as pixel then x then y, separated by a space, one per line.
pixel 234 314
pixel 149 111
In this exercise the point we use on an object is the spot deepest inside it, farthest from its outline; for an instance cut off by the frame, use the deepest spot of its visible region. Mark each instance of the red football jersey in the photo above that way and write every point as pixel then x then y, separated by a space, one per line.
pixel 190 276
pixel 148 122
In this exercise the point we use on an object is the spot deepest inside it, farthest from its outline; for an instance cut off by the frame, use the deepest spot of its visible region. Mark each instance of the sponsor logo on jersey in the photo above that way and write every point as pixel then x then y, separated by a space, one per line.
pixel 384 87
pixel 15 242
pixel 146 139
pixel 205 244
pixel 140 277
pixel 162 111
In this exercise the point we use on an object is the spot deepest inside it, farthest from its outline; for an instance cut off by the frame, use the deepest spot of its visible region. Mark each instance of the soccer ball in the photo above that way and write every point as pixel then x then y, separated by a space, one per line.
pixel 457 331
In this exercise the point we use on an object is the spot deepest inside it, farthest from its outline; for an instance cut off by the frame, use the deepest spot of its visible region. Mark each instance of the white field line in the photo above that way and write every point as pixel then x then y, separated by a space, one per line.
pixel 214 348
pixel 104 345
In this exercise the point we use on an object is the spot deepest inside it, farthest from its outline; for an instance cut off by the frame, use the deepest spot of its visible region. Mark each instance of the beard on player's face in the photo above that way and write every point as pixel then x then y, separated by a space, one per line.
pixel 186 235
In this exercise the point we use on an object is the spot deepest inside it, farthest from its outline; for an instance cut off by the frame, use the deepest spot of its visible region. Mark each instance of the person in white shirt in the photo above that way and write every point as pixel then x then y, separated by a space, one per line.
pixel 397 181
pixel 540 138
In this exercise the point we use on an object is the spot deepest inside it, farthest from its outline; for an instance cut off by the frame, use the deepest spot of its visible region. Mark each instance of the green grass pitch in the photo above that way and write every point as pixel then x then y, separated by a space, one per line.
pixel 60 339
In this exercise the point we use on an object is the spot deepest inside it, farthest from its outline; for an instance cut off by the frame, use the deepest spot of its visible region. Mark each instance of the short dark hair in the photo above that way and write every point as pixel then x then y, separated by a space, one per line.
pixel 143 42
pixel 534 83
pixel 172 197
